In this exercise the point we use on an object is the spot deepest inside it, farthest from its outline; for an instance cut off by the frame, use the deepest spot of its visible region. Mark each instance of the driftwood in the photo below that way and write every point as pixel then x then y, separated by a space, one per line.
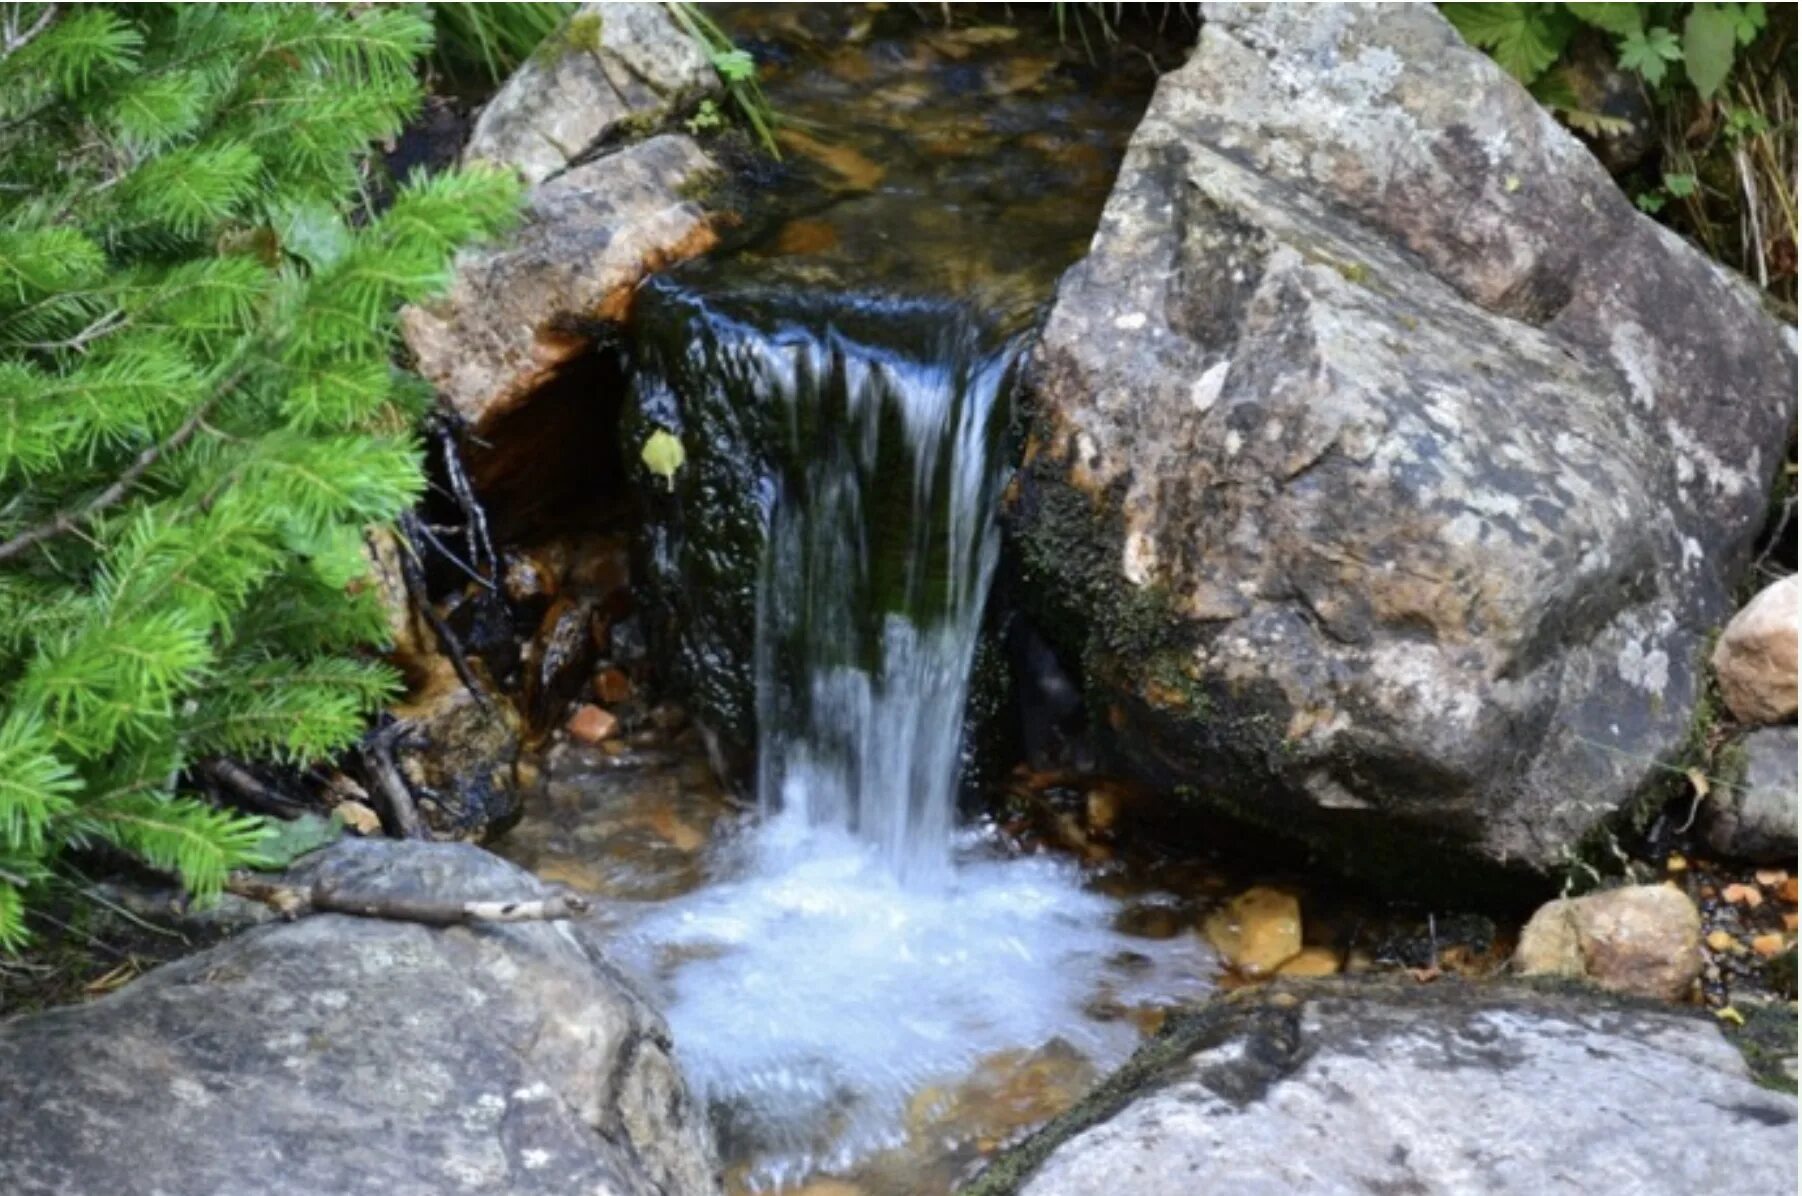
pixel 297 901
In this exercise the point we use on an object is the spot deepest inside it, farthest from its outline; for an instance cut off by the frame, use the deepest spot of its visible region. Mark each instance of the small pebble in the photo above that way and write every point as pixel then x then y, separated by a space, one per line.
pixel 1768 945
pixel 591 724
pixel 1745 895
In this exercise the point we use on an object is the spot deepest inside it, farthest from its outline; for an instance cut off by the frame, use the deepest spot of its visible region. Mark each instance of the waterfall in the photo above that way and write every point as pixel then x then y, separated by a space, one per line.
pixel 881 547
pixel 855 944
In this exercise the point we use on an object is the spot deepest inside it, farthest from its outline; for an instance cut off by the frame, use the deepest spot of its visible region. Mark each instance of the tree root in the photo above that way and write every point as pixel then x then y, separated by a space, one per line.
pixel 378 761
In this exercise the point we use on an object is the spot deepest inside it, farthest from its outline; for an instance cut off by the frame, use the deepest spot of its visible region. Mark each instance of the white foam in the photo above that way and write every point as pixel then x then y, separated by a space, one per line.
pixel 810 994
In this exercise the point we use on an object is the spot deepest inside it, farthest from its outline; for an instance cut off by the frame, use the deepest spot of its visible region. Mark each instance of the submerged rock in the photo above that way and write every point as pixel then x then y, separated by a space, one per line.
pixel 520 308
pixel 1336 1088
pixel 1641 940
pixel 1387 468
pixel 610 68
pixel 1751 814
pixel 340 1054
pixel 1755 660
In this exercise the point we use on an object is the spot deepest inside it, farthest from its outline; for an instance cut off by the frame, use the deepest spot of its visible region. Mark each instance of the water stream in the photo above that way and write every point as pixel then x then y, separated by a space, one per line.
pixel 855 958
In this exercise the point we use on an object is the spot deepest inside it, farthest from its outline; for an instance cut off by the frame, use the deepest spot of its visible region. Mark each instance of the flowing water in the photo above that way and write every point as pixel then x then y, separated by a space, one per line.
pixel 854 958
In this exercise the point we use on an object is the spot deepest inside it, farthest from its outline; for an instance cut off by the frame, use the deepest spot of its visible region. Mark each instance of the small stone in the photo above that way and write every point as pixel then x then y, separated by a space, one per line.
pixel 1755 660
pixel 358 817
pixel 1720 942
pixel 1641 940
pixel 1789 922
pixel 612 686
pixel 1746 895
pixel 1257 930
pixel 1770 878
pixel 1768 946
pixel 591 724
pixel 1676 863
pixel 1786 892
pixel 1310 961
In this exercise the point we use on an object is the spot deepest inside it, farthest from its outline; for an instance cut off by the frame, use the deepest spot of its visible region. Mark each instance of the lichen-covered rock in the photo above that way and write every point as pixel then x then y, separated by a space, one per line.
pixel 1752 810
pixel 1640 940
pixel 1755 660
pixel 520 308
pixel 610 67
pixel 358 1056
pixel 1387 467
pixel 1337 1089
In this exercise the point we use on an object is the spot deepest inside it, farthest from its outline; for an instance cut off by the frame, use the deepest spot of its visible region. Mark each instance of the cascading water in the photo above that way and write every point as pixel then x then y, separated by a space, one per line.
pixel 882 544
pixel 856 946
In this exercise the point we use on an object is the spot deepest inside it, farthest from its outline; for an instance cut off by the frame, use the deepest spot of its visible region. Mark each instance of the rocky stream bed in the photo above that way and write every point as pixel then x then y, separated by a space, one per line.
pixel 1354 775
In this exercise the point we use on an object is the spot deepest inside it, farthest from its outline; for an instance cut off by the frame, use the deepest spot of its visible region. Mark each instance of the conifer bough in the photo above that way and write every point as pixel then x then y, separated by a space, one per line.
pixel 199 410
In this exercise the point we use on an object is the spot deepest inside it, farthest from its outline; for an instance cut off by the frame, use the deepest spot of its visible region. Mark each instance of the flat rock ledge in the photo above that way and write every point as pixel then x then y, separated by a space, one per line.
pixel 520 308
pixel 349 1056
pixel 1311 1089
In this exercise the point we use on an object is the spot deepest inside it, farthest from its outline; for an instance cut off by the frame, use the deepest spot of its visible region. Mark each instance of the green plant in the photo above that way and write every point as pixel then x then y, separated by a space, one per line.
pixel 736 69
pixel 706 118
pixel 198 412
pixel 481 43
pixel 1721 82
pixel 1527 39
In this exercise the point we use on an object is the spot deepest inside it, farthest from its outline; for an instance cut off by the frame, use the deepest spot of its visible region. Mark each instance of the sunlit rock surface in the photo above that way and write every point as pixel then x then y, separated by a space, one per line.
pixel 351 1055
pixel 1642 940
pixel 1388 470
pixel 1755 660
pixel 610 68
pixel 525 305
pixel 1311 1091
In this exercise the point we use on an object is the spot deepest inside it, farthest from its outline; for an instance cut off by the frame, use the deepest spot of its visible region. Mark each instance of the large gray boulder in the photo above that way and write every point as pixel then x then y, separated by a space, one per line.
pixel 519 309
pixel 349 1056
pixel 1387 469
pixel 1346 1090
pixel 611 69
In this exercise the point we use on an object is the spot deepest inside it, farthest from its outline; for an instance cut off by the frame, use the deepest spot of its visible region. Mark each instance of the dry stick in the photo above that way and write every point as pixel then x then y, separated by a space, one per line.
pixel 475 520
pixel 414 577
pixel 245 784
pixel 70 518
pixel 294 901
pixel 378 758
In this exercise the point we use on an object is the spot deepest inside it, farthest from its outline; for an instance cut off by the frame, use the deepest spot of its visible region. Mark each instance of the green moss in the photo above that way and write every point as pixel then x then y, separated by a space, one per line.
pixel 580 35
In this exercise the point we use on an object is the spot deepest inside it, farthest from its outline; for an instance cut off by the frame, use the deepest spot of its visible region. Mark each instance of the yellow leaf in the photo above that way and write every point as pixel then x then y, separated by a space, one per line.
pixel 1698 780
pixel 663 455
pixel 1728 1013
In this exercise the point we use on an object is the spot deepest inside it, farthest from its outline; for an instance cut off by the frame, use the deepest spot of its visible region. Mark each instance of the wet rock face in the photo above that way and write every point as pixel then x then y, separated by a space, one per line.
pixel 1384 459
pixel 610 67
pixel 527 305
pixel 340 1054
pixel 1441 1088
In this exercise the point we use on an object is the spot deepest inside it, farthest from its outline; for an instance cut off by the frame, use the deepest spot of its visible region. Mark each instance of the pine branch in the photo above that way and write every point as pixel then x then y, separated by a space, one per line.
pixel 70 518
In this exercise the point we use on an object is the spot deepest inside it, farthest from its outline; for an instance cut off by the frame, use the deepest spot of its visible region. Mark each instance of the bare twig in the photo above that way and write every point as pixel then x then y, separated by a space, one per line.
pixel 12 39
pixel 475 520
pixel 293 901
pixel 245 784
pixel 378 759
pixel 414 577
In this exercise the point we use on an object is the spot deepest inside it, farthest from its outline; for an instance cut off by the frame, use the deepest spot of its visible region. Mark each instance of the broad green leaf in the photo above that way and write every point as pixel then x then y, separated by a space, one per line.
pixel 1524 39
pixel 1748 21
pixel 1708 41
pixel 288 841
pixel 1680 185
pixel 1650 53
pixel 1618 19
pixel 663 455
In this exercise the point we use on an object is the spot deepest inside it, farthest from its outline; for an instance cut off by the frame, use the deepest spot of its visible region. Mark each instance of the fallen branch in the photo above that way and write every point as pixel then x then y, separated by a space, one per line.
pixel 294 901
